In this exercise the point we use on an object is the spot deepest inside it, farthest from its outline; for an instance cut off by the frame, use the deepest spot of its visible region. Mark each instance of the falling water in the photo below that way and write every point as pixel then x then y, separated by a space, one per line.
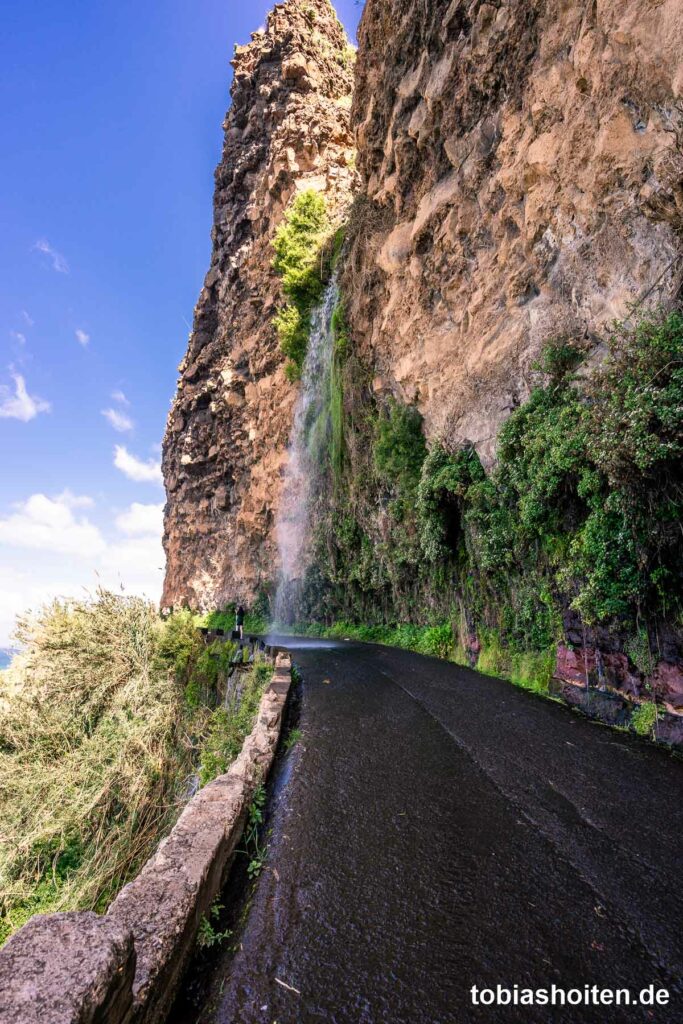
pixel 310 426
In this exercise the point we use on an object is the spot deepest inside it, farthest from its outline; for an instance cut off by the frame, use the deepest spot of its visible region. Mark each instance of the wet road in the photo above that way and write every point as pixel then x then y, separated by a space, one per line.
pixel 436 829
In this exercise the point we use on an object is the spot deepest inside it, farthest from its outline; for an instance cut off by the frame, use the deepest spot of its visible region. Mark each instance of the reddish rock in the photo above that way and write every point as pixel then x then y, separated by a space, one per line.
pixel 667 682
pixel 74 968
pixel 604 669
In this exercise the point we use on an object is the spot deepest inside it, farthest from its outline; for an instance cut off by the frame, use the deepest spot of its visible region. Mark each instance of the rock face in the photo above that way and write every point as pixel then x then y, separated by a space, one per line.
pixel 523 176
pixel 521 179
pixel 288 129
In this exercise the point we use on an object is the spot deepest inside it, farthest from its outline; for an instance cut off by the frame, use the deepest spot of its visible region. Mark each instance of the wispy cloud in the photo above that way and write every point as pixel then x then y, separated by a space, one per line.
pixel 136 469
pixel 118 396
pixel 118 420
pixel 82 337
pixel 20 405
pixel 27 318
pixel 18 337
pixel 72 500
pixel 141 519
pixel 57 260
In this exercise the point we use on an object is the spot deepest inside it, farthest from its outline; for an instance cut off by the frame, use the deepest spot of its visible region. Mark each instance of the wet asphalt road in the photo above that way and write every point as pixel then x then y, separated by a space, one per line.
pixel 436 829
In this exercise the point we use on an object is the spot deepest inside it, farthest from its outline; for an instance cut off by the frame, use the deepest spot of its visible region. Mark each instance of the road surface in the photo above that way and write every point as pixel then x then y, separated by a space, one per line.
pixel 436 829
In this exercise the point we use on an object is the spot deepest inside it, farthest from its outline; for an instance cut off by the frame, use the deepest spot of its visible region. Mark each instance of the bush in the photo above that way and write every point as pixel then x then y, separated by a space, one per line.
pixel 229 726
pixel 644 718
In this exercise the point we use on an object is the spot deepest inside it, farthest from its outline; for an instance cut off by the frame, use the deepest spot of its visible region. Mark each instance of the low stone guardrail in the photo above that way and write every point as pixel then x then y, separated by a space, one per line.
pixel 125 967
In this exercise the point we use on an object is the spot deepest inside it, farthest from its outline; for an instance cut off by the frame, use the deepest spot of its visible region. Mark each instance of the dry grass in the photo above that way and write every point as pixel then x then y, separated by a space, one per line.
pixel 101 726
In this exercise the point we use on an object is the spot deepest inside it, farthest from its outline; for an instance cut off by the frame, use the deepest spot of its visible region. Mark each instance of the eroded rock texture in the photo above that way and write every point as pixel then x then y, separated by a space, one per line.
pixel 522 169
pixel 287 129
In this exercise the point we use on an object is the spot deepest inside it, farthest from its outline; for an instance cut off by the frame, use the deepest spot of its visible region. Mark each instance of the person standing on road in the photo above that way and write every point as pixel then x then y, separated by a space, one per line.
pixel 239 621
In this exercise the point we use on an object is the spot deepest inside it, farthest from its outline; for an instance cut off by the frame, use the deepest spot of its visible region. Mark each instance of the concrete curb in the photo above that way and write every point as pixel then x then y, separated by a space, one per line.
pixel 125 967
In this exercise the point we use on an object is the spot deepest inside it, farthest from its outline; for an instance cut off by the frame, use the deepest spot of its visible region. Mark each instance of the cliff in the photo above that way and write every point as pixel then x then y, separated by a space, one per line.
pixel 498 429
pixel 524 179
pixel 287 130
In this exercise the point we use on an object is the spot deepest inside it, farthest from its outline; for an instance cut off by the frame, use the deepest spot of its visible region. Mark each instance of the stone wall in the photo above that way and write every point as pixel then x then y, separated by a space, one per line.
pixel 125 967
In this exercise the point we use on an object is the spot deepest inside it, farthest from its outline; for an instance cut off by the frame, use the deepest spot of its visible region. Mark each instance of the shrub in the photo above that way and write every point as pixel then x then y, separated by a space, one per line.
pixel 445 481
pixel 229 726
pixel 644 718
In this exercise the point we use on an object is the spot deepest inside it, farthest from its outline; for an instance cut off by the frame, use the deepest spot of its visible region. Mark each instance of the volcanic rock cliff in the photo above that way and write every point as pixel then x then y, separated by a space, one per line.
pixel 288 129
pixel 523 176
pixel 519 186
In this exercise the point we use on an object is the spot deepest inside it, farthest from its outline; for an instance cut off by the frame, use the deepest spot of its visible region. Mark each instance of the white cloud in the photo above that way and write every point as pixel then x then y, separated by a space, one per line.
pixel 20 405
pixel 48 551
pixel 134 562
pixel 118 396
pixel 58 261
pixel 81 337
pixel 141 519
pixel 18 336
pixel 135 469
pixel 49 524
pixel 27 318
pixel 72 500
pixel 118 420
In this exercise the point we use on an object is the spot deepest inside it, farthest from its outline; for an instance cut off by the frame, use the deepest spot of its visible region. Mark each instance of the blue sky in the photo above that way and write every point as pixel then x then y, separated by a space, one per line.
pixel 110 118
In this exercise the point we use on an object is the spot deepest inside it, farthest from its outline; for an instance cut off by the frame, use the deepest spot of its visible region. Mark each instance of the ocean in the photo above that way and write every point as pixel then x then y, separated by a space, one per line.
pixel 6 655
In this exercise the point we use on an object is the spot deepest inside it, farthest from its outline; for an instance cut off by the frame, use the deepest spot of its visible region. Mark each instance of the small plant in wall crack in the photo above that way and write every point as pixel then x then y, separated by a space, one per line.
pixel 253 848
pixel 293 737
pixel 208 936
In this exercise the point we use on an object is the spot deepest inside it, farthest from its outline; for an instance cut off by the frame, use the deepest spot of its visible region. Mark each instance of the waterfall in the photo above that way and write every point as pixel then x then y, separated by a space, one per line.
pixel 310 429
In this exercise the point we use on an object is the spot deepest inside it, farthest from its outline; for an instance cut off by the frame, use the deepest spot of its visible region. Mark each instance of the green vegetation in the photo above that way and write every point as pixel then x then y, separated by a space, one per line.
pixel 294 736
pixel 581 515
pixel 253 847
pixel 300 262
pixel 256 618
pixel 105 719
pixel 433 640
pixel 347 57
pixel 644 718
pixel 208 936
pixel 228 727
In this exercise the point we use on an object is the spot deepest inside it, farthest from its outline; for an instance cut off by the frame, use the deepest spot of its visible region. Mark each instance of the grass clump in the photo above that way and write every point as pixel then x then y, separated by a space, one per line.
pixel 299 261
pixel 104 717
pixel 294 736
